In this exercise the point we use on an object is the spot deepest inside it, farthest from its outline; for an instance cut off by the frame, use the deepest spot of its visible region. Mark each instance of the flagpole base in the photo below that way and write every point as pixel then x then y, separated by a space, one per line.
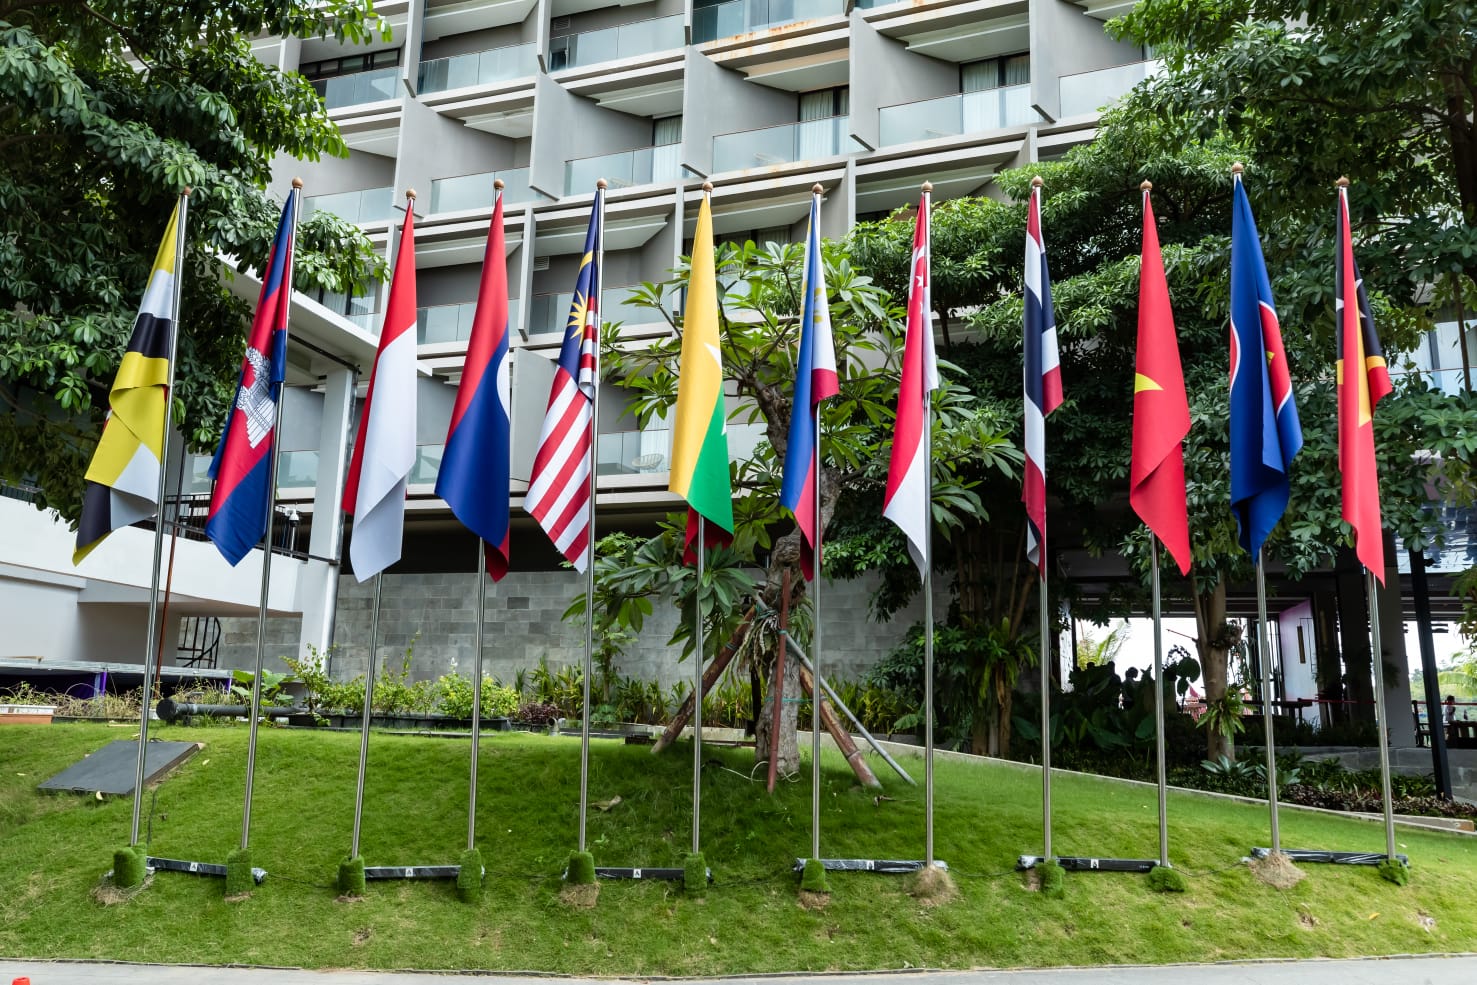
pixel 129 867
pixel 469 876
pixel 385 872
pixel 660 873
pixel 696 875
pixel 1086 863
pixel 1332 857
pixel 240 876
pixel 886 866
pixel 581 869
pixel 351 876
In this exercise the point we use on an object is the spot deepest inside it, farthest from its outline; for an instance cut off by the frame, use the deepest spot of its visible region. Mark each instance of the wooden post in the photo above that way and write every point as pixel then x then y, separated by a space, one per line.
pixel 777 685
pixel 710 676
pixel 843 738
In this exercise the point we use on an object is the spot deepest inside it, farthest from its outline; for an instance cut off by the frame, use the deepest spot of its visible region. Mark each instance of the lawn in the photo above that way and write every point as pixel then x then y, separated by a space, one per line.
pixel 54 850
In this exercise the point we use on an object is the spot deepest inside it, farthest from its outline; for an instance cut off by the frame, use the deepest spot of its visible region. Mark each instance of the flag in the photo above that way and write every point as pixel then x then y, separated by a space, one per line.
pixel 122 481
pixel 700 433
pixel 1265 434
pixel 474 468
pixel 907 502
pixel 559 490
pixel 815 380
pixel 242 494
pixel 1161 411
pixel 384 452
pixel 1043 383
pixel 1363 381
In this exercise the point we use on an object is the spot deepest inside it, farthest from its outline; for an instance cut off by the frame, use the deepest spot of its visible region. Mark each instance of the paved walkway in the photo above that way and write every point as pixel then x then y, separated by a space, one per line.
pixel 1373 971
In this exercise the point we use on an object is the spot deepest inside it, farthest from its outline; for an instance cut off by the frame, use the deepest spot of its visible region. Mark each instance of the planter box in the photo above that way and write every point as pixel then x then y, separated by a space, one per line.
pixel 26 714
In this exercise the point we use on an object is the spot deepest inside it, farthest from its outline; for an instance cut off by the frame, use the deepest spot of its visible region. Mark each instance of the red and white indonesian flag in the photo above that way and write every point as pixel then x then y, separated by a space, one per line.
pixel 909 482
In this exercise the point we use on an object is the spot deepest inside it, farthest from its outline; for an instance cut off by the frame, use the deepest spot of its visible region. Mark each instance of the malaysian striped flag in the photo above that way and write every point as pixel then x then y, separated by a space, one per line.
pixel 559 490
pixel 1043 377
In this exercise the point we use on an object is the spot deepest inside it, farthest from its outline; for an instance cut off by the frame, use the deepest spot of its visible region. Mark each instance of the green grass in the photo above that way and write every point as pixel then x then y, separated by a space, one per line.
pixel 54 849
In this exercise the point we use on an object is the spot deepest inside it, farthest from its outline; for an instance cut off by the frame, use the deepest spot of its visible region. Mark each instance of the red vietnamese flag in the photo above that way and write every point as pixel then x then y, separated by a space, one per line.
pixel 1363 380
pixel 1161 412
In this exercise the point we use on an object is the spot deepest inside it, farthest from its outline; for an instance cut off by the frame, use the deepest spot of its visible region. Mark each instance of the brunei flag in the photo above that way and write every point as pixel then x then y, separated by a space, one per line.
pixel 123 479
pixel 700 437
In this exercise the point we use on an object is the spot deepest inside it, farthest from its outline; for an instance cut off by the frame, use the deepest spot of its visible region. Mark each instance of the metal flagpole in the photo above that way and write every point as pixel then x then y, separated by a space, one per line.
pixel 261 609
pixel 815 642
pixel 1264 649
pixel 697 694
pixel 477 692
pixel 1045 711
pixel 1381 722
pixel 374 633
pixel 600 187
pixel 143 727
pixel 927 326
pixel 1159 702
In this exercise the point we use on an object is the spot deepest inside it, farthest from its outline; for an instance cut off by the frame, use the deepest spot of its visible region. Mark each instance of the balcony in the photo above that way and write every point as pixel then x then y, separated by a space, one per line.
pixel 295 469
pixel 361 87
pixel 614 43
pixel 953 116
pixel 724 20
pixel 648 451
pixel 443 324
pixel 478 68
pixel 1087 92
pixel 805 141
pixel 549 313
pixel 475 191
pixel 369 205
pixel 624 169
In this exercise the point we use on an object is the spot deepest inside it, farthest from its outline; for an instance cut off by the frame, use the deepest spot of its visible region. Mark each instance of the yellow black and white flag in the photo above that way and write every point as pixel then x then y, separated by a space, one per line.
pixel 123 479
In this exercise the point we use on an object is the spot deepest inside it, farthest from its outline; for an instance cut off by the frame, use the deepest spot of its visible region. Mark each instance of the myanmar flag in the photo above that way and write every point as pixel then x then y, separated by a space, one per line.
pixel 700 437
pixel 123 479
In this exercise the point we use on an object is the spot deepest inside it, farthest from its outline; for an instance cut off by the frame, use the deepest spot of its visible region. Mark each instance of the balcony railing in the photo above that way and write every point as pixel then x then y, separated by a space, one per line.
pixel 427 464
pixel 361 87
pixel 723 20
pixel 549 314
pixel 648 451
pixel 441 324
pixel 805 141
pixel 295 470
pixel 1088 92
pixel 474 68
pixel 475 191
pixel 623 169
pixel 369 205
pixel 613 43
pixel 952 116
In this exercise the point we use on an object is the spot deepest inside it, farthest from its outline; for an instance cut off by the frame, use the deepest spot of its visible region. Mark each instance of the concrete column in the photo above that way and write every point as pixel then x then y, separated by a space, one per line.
pixel 318 585
pixel 1392 642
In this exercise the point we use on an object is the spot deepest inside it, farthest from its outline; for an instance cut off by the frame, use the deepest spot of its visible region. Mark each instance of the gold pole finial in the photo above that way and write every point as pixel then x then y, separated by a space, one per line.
pixel 410 194
pixel 708 187
pixel 297 183
pixel 1146 186
pixel 928 188
pixel 1036 182
pixel 498 185
pixel 1237 168
pixel 602 184
pixel 816 189
pixel 1342 182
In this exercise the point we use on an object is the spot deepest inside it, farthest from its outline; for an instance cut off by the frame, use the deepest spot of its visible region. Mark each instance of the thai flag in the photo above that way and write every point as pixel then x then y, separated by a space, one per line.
pixel 908 501
pixel 815 380
pixel 1265 433
pixel 1043 379
pixel 242 496
pixel 559 488
pixel 474 468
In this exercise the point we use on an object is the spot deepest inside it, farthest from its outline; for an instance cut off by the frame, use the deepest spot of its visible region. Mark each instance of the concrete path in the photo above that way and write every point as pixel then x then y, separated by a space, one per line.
pixel 1461 970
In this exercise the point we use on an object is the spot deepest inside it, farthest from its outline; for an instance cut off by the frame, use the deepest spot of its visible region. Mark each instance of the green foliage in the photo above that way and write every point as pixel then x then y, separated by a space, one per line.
pixel 394 692
pixel 454 697
pixel 239 881
pixel 1101 712
pixel 129 867
pixel 351 876
pixel 581 869
pixel 109 111
pixel 1223 715
pixel 273 689
pixel 1053 879
pixel 695 875
pixel 469 876
pixel 813 877
pixel 1163 879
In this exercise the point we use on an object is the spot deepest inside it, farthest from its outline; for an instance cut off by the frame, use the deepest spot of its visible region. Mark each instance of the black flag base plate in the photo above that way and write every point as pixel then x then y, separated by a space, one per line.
pixel 198 868
pixel 888 866
pixel 623 872
pixel 413 871
pixel 1083 863
pixel 1335 858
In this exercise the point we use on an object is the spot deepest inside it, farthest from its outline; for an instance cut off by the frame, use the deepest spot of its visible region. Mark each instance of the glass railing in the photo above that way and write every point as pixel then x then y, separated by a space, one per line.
pixel 515 61
pixel 612 43
pixel 475 191
pixel 633 452
pixel 297 469
pixel 427 464
pixel 369 205
pixel 723 20
pixel 549 313
pixel 361 87
pixel 961 113
pixel 623 169
pixel 780 145
pixel 441 324
pixel 1088 92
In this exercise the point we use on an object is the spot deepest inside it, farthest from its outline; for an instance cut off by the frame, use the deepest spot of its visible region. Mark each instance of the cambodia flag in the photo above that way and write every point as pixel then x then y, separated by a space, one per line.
pixel 1161 410
pixel 474 468
pixel 1363 380
pixel 242 495
pixel 1265 433
pixel 815 380
pixel 1043 379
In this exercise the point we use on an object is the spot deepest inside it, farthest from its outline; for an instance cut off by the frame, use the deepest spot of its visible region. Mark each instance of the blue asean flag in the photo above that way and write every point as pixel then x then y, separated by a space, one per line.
pixel 474 473
pixel 1265 434
pixel 242 495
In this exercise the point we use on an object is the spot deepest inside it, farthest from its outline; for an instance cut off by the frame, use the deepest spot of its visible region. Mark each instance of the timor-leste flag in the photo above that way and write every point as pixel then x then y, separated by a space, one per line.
pixel 1161 411
pixel 700 432
pixel 122 482
pixel 1363 380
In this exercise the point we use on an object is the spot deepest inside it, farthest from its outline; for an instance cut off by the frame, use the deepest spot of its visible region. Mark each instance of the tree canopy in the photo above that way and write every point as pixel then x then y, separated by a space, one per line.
pixel 108 110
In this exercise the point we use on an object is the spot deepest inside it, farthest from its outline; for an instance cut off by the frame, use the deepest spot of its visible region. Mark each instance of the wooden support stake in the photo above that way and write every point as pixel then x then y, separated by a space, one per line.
pixel 843 738
pixel 710 676
pixel 777 686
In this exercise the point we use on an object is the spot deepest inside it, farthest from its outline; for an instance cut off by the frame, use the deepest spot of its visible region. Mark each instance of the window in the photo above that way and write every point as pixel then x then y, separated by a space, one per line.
pixel 349 64
pixel 997 93
pixel 822 118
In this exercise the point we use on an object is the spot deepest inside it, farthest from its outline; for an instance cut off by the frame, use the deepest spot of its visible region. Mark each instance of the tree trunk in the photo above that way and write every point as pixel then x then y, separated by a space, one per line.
pixel 788 754
pixel 1210 640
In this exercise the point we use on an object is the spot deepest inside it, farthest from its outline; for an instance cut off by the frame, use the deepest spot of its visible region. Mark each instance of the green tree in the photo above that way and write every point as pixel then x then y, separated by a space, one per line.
pixel 107 110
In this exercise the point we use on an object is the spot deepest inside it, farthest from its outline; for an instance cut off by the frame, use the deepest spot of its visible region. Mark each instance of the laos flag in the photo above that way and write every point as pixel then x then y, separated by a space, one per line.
pixel 242 494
